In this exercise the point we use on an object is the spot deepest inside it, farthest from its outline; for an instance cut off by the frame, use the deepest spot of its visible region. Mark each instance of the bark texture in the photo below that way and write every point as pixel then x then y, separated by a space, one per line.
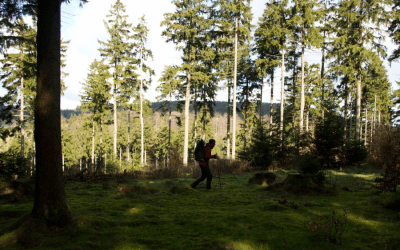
pixel 49 202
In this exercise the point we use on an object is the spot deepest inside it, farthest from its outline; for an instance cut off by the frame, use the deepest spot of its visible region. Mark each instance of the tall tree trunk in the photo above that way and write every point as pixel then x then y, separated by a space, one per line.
pixel 101 143
pixel 195 114
pixel 261 99
pixel 204 118
pixel 49 201
pixel 351 119
pixel 93 144
pixel 358 109
pixel 271 105
pixel 282 92
pixel 323 81
pixel 366 127
pixel 374 120
pixel 234 91
pixel 294 92
pixel 141 110
pixel 128 147
pixel 345 111
pixel 186 138
pixel 302 100
pixel 169 130
pixel 21 118
pixel 245 116
pixel 115 116
pixel 228 133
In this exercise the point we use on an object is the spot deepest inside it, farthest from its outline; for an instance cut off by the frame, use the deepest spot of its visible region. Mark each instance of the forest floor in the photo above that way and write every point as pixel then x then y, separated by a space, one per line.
pixel 168 214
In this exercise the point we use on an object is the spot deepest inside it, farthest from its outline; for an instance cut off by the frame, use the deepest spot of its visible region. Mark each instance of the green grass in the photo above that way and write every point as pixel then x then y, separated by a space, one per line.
pixel 233 216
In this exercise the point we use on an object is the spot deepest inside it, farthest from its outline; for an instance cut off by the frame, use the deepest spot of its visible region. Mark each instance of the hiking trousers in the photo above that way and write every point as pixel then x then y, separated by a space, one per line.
pixel 205 173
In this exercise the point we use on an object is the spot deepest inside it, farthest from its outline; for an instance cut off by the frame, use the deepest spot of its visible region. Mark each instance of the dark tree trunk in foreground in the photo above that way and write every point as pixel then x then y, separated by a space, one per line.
pixel 49 203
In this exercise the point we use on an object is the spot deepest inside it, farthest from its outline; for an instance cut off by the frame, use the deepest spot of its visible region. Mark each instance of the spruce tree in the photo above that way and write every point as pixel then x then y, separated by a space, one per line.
pixel 142 54
pixel 356 42
pixel 116 50
pixel 169 82
pixel 234 20
pixel 185 27
pixel 95 98
pixel 304 17
pixel 275 30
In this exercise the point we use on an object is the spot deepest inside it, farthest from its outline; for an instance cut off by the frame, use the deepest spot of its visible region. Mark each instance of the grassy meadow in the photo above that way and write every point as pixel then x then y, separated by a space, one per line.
pixel 168 214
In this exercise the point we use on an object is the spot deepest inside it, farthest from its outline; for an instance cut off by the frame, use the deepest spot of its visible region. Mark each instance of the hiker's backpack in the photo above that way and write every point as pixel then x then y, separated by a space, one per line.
pixel 199 151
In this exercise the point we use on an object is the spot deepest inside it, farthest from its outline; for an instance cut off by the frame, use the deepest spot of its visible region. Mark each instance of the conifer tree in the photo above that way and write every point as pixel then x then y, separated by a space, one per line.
pixel 185 27
pixel 394 29
pixel 169 82
pixel 234 21
pixel 19 80
pixel 356 42
pixel 274 28
pixel 304 17
pixel 49 202
pixel 95 98
pixel 116 50
pixel 142 54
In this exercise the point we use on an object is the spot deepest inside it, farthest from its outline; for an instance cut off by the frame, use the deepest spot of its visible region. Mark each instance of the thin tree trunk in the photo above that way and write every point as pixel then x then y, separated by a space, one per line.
pixel 128 147
pixel 374 120
pixel 21 119
pixel 234 92
pixel 195 113
pixel 141 109
pixel 261 99
pixel 115 116
pixel 294 92
pixel 101 142
pixel 282 92
pixel 271 105
pixel 323 81
pixel 228 133
pixel 358 109
pixel 204 119
pixel 49 201
pixel 302 101
pixel 366 127
pixel 93 144
pixel 351 119
pixel 186 138
pixel 345 111
pixel 169 131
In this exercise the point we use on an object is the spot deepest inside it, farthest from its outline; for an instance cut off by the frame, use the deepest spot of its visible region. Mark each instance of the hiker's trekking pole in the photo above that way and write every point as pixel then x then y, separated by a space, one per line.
pixel 230 171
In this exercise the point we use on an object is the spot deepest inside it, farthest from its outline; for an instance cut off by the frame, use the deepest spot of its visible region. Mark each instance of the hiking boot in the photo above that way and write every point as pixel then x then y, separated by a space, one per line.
pixel 193 185
pixel 208 188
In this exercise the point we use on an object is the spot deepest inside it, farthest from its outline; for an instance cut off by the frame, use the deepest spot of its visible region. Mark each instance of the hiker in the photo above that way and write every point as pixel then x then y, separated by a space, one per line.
pixel 205 168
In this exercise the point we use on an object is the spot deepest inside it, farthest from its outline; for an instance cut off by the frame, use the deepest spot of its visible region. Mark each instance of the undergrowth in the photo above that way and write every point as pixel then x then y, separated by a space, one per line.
pixel 168 214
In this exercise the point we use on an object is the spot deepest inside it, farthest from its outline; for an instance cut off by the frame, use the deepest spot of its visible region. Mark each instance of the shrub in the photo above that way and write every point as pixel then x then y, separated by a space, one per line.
pixel 329 139
pixel 11 164
pixel 331 227
pixel 385 153
pixel 309 164
pixel 355 152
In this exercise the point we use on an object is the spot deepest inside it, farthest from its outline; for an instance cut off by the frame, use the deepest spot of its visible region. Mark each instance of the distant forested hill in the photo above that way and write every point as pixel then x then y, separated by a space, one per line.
pixel 220 107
